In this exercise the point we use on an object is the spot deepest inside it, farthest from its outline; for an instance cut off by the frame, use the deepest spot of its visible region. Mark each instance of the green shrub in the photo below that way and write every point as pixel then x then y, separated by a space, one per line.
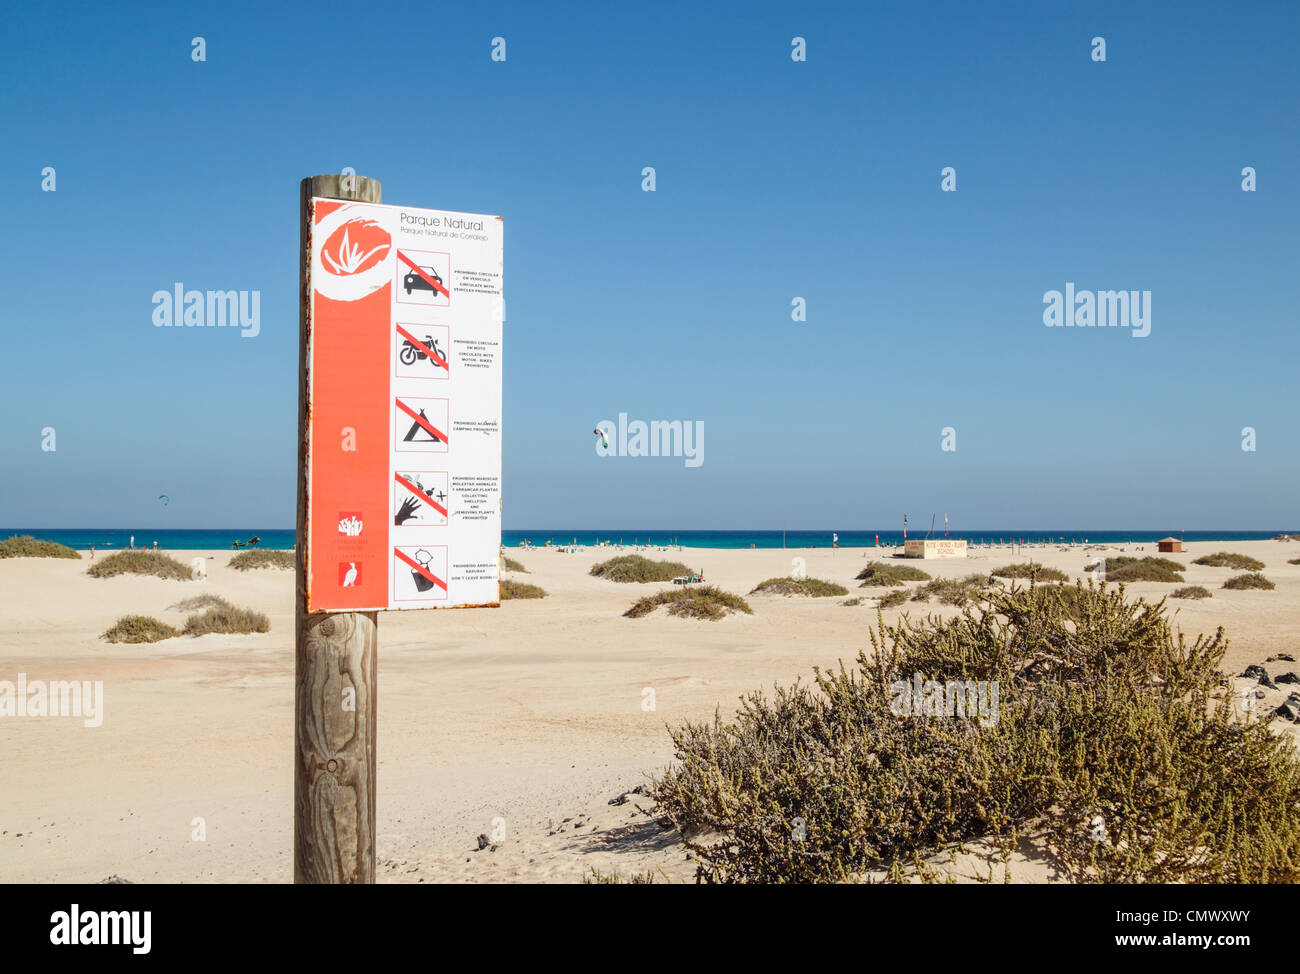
pixel 692 602
pixel 596 878
pixel 520 590
pixel 1190 592
pixel 1102 712
pixel 879 574
pixel 1127 569
pixel 1031 569
pixel 139 629
pixel 515 566
pixel 262 558
pixel 637 568
pixel 891 599
pixel 1229 559
pixel 197 602
pixel 798 586
pixel 226 618
pixel 1251 580
pixel 951 591
pixel 139 563
pixel 25 546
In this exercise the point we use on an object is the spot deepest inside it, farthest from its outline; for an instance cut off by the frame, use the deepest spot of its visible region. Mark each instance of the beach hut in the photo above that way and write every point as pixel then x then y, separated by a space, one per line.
pixel 1169 544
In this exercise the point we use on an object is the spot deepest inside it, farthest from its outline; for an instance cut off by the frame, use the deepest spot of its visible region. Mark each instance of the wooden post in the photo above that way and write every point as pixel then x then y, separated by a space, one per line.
pixel 334 729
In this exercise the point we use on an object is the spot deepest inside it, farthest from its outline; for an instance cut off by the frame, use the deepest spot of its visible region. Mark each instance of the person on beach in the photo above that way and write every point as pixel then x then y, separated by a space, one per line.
pixel 92 552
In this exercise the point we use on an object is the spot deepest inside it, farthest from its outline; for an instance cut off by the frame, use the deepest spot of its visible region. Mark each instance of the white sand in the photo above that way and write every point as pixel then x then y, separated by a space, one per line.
pixel 531 712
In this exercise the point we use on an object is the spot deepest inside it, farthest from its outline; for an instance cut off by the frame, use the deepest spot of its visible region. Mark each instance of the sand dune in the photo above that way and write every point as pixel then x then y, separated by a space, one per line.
pixel 531 713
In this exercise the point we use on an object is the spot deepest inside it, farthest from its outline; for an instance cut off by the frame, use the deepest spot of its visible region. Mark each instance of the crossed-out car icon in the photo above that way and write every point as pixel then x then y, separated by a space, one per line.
pixel 414 282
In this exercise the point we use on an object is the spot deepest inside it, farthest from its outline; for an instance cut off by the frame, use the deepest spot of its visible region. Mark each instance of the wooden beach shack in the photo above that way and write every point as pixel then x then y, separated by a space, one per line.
pixel 1171 544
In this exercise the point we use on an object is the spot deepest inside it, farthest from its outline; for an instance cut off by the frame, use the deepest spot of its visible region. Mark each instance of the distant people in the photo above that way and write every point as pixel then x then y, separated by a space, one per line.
pixel 835 540
pixel 92 552
pixel 155 546
pixel 133 542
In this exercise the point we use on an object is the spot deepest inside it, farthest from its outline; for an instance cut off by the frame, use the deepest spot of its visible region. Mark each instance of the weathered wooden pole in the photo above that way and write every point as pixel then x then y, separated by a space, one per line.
pixel 334 671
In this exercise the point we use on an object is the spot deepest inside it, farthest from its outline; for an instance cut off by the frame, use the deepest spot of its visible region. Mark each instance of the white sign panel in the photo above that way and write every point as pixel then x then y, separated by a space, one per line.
pixel 405 353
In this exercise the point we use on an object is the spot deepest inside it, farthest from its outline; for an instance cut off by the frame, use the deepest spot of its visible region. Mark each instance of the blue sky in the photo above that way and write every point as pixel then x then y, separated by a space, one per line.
pixel 775 179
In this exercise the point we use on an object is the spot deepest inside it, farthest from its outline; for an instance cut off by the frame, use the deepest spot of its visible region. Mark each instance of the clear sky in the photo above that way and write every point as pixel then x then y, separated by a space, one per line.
pixel 775 179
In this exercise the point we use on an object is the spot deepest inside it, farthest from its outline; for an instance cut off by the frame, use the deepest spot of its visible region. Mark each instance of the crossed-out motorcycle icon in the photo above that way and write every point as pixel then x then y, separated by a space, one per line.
pixel 411 353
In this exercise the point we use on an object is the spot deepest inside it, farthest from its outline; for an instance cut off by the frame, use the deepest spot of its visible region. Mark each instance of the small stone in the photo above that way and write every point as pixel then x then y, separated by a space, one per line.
pixel 618 800
pixel 1281 656
pixel 483 841
pixel 1288 677
pixel 1257 672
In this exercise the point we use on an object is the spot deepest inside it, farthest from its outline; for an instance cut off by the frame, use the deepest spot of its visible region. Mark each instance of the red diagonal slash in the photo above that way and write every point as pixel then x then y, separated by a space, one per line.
pixel 422 347
pixel 433 430
pixel 420 270
pixel 420 494
pixel 421 569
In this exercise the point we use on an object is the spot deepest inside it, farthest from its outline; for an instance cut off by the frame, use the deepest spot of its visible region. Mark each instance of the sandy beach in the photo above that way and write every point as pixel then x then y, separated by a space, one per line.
pixel 531 713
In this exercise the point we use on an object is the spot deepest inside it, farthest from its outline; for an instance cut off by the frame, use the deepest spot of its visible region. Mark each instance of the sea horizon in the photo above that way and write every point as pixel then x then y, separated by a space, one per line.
pixel 201 539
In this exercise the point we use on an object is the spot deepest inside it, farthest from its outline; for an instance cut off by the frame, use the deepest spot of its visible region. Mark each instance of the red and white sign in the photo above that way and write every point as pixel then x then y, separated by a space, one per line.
pixel 404 363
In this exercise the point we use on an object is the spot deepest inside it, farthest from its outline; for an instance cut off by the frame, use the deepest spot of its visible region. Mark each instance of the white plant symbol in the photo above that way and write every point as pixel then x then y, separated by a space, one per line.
pixel 350 256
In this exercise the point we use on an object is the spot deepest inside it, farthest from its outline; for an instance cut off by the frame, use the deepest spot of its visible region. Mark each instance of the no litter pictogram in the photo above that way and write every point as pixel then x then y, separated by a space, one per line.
pixel 423 576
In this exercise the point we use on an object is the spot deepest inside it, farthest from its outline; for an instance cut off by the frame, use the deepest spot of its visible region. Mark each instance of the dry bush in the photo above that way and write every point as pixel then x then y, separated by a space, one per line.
pixel 139 629
pixel 692 602
pixel 25 546
pixel 1103 712
pixel 879 574
pixel 139 563
pixel 197 602
pixel 1251 580
pixel 515 566
pixel 520 590
pixel 814 587
pixel 1125 568
pixel 262 558
pixel 1032 570
pixel 1230 559
pixel 226 618
pixel 891 599
pixel 1190 592
pixel 637 568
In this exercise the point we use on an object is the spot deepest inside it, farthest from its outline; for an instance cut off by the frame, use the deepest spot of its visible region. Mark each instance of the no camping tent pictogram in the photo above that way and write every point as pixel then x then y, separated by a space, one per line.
pixel 422 431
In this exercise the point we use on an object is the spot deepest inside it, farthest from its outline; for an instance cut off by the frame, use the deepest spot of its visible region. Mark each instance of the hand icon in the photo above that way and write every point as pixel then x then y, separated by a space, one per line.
pixel 407 511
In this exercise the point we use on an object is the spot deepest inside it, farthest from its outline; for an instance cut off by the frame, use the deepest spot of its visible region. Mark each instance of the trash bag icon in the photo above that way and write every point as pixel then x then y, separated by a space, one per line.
pixel 422 584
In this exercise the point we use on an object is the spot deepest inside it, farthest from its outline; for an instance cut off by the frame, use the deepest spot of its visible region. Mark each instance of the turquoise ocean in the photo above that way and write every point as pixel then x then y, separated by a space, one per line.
pixel 171 539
